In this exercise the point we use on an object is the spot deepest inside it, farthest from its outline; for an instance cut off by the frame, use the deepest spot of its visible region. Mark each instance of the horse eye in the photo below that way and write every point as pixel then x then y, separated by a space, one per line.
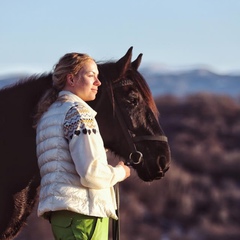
pixel 133 101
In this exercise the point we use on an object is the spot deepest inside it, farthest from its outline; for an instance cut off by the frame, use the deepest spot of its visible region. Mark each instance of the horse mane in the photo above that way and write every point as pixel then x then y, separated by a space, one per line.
pixel 23 82
pixel 27 90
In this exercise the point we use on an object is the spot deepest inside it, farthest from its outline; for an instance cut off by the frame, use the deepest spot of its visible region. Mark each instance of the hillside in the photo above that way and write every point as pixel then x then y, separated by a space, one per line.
pixel 181 83
pixel 199 199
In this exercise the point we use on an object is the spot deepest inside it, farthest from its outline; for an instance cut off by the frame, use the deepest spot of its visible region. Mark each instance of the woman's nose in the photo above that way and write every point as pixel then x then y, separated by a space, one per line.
pixel 97 82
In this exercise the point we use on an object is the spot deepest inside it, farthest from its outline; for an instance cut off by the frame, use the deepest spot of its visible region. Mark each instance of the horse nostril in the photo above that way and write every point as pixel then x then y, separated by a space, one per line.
pixel 163 165
pixel 161 162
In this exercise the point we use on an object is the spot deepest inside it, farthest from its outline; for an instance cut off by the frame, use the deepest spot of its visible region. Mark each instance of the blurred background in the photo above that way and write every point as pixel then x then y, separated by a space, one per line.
pixel 191 63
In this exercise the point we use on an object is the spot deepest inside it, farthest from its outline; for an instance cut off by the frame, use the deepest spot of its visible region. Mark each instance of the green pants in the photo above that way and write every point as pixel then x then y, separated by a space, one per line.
pixel 68 225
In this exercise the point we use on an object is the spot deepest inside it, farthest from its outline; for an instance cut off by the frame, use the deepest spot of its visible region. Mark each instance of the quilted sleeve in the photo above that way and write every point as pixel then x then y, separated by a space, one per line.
pixel 87 150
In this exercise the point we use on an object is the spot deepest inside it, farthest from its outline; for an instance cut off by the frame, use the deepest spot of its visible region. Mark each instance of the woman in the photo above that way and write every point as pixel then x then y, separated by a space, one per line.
pixel 76 194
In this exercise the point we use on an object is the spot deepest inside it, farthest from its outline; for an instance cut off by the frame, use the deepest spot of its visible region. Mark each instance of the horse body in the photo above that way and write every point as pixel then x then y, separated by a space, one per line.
pixel 126 111
pixel 19 174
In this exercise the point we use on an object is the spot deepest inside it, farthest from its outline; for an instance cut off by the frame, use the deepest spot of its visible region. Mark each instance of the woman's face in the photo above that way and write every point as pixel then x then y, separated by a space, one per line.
pixel 85 84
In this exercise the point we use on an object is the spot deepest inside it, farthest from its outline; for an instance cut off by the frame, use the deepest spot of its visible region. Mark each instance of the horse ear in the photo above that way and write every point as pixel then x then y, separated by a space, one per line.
pixel 124 63
pixel 137 62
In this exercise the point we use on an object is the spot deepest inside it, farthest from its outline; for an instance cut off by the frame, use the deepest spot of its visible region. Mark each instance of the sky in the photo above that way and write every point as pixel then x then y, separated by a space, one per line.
pixel 170 33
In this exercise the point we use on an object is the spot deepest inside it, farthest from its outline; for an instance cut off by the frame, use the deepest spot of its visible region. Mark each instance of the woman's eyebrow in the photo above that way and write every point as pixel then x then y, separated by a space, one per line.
pixel 91 71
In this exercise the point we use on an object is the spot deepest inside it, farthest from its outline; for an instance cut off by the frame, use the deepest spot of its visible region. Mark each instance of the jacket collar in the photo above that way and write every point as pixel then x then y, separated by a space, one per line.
pixel 69 96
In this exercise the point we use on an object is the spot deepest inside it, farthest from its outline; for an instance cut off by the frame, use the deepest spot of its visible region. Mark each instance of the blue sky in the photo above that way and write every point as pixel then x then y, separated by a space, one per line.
pixel 174 33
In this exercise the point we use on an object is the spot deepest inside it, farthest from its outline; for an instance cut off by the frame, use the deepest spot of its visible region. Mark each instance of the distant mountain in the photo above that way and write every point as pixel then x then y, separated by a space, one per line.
pixel 178 83
pixel 181 83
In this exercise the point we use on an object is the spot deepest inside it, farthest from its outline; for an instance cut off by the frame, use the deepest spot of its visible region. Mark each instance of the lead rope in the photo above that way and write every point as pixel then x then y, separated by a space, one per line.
pixel 116 223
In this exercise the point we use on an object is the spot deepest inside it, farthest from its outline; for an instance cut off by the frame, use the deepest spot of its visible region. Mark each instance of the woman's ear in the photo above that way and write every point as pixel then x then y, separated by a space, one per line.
pixel 70 80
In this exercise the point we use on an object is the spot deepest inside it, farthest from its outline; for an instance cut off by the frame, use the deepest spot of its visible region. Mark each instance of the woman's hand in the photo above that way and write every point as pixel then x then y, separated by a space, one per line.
pixel 126 168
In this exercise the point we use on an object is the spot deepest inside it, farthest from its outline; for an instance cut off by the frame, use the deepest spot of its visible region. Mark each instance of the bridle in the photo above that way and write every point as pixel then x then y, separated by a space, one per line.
pixel 135 156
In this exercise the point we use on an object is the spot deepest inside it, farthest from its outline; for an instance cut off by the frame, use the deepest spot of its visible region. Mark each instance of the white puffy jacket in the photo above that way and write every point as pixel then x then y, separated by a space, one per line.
pixel 75 175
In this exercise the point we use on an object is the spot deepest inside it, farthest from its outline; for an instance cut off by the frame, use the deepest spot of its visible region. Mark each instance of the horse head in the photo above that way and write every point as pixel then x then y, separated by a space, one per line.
pixel 128 118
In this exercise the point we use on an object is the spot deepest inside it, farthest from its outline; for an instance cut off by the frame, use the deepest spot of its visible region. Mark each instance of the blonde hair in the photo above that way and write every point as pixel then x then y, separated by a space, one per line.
pixel 70 63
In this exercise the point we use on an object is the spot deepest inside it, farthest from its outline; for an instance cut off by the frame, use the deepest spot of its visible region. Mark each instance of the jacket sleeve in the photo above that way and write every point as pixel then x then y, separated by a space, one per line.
pixel 87 150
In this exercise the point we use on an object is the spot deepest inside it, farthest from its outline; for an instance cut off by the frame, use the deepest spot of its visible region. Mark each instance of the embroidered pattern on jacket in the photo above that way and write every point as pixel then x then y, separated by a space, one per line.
pixel 78 121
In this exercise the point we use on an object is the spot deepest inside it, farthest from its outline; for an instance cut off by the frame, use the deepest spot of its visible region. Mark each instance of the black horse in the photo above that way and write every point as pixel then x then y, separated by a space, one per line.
pixel 128 121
